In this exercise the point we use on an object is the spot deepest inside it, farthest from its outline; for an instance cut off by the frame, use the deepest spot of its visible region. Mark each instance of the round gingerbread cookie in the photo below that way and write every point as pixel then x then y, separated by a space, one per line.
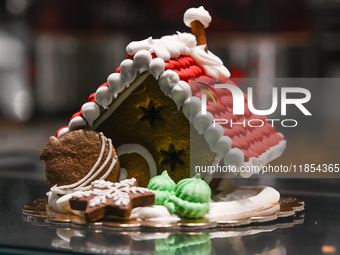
pixel 71 157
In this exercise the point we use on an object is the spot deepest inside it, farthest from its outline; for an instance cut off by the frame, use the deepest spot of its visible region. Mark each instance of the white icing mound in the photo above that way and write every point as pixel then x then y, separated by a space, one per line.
pixel 155 212
pixel 199 14
pixel 242 203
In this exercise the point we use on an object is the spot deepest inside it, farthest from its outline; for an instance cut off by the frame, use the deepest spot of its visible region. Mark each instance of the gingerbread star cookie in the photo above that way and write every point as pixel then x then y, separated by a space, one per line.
pixel 106 198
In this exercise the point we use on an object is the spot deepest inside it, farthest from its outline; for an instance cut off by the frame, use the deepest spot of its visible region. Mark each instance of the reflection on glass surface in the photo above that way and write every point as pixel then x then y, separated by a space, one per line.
pixel 156 243
pixel 115 239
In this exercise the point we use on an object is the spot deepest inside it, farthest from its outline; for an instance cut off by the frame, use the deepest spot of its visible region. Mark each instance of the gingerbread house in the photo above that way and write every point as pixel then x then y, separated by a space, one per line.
pixel 151 108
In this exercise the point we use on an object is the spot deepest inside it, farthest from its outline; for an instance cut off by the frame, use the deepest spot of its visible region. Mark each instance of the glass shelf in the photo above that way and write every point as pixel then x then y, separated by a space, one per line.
pixel 315 230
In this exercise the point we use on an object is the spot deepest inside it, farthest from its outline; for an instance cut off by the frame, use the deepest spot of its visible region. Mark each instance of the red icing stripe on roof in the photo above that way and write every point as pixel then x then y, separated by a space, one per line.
pixel 253 141
pixel 76 115
pixel 105 84
pixel 176 64
pixel 91 97
pixel 169 66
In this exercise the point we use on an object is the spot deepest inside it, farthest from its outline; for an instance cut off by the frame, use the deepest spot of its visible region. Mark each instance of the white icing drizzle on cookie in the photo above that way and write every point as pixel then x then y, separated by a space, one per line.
pixel 80 185
pixel 141 150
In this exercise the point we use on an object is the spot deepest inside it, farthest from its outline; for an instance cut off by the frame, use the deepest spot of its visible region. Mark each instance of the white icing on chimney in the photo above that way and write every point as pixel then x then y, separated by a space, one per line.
pixel 199 14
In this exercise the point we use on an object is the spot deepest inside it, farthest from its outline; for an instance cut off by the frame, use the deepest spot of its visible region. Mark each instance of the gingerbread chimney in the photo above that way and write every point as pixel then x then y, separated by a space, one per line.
pixel 198 19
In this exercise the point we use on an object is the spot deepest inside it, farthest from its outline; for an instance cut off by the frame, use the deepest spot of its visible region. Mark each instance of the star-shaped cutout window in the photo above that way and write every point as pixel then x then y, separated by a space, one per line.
pixel 150 113
pixel 171 157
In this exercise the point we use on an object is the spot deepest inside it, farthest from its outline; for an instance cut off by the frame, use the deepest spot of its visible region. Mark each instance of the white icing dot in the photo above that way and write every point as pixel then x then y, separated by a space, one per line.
pixel 103 96
pixel 156 67
pixel 167 81
pixel 191 107
pixel 115 83
pixel 62 132
pixel 202 122
pixel 180 93
pixel 90 111
pixel 142 60
pixel 76 123
pixel 222 146
pixel 234 157
pixel 128 71
pixel 213 133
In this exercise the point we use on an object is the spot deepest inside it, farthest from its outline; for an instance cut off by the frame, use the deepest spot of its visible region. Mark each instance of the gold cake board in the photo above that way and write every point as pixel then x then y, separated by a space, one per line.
pixel 40 213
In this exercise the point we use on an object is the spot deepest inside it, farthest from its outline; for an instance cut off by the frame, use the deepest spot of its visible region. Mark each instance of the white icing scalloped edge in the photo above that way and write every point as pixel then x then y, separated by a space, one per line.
pixel 134 72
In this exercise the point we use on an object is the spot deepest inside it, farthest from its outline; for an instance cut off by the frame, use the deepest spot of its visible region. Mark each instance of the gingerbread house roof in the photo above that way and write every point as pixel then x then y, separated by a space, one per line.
pixel 175 62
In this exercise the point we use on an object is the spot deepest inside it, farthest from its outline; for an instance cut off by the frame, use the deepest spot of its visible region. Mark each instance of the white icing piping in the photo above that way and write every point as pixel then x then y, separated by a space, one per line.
pixel 66 189
pixel 75 123
pixel 114 161
pixel 90 111
pixel 212 65
pixel 102 166
pixel 179 91
pixel 70 186
pixel 165 48
pixel 119 192
pixel 141 150
pixel 120 99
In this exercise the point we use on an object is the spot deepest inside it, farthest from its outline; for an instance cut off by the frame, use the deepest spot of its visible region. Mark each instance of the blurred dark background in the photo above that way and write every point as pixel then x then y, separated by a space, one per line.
pixel 54 54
